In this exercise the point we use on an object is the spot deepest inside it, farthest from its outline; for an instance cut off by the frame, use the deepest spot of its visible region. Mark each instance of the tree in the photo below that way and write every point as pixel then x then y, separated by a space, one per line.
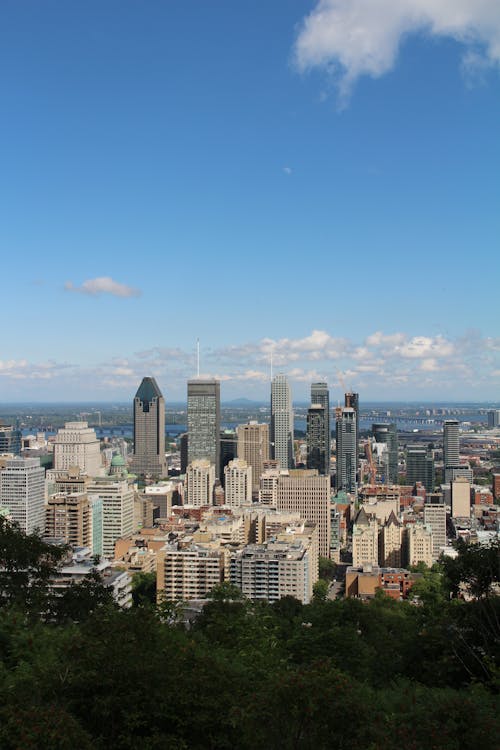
pixel 144 589
pixel 320 590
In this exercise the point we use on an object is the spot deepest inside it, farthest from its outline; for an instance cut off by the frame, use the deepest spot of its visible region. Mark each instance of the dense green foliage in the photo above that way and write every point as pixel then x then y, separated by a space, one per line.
pixel 332 674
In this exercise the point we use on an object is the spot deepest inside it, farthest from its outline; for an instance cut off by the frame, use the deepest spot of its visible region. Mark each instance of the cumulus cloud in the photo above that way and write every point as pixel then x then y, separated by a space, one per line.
pixel 352 38
pixel 103 285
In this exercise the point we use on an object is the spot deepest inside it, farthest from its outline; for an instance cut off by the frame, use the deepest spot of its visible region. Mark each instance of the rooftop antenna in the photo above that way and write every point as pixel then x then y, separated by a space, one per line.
pixel 197 358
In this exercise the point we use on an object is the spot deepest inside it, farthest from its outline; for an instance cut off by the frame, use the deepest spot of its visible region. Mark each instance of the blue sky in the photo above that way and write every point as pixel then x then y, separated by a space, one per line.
pixel 319 180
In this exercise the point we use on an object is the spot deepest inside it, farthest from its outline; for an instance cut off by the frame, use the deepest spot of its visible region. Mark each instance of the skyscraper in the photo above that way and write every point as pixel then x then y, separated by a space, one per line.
pixel 253 447
pixel 203 413
pixel 420 466
pixel 351 401
pixel 281 422
pixel 76 444
pixel 22 490
pixel 321 395
pixel 388 434
pixel 316 436
pixel 10 439
pixel 451 447
pixel 347 449
pixel 149 430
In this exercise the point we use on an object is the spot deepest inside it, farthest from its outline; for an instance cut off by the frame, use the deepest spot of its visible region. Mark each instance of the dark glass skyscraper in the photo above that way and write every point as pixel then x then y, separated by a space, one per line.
pixel 351 401
pixel 347 449
pixel 420 466
pixel 149 430
pixel 316 448
pixel 203 413
pixel 320 395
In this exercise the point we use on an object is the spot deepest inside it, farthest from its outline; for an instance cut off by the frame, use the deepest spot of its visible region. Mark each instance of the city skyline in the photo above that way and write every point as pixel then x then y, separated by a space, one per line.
pixel 137 140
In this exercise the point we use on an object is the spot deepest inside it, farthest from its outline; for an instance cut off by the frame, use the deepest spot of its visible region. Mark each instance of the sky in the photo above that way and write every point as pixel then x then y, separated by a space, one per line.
pixel 315 182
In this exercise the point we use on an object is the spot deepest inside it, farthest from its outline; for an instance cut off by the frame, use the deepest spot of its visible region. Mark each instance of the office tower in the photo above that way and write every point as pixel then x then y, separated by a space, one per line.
pixel 183 449
pixel 228 450
pixel 435 518
pixel 22 491
pixel 117 509
pixel 494 418
pixel 10 439
pixel 281 422
pixel 351 401
pixel 460 498
pixel 321 395
pixel 390 540
pixel 203 412
pixel 420 466
pixel 388 434
pixel 200 482
pixel 68 517
pixel 76 444
pixel 417 544
pixel 451 446
pixel 364 540
pixel 347 448
pixel 253 447
pixel 317 457
pixel 238 483
pixel 305 492
pixel 149 430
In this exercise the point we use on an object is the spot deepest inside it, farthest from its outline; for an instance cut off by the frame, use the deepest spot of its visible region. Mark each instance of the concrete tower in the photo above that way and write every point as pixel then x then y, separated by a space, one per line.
pixel 451 447
pixel 149 430
pixel 281 422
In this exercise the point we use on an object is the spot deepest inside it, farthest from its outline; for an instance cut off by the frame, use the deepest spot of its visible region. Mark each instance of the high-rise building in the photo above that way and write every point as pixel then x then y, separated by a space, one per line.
pixel 390 540
pixel 203 413
pixel 149 430
pixel 117 509
pixel 417 544
pixel 228 450
pixel 305 492
pixel 188 573
pixel 351 401
pixel 420 466
pixel 10 439
pixel 364 540
pixel 321 395
pixel 494 418
pixel 388 434
pixel 315 436
pixel 347 449
pixel 238 483
pixel 460 498
pixel 77 445
pixel 22 492
pixel 281 422
pixel 253 447
pixel 68 517
pixel 200 482
pixel 435 518
pixel 451 444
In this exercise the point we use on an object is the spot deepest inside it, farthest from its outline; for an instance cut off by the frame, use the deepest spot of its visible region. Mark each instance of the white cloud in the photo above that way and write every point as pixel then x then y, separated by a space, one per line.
pixel 103 285
pixel 287 170
pixel 352 38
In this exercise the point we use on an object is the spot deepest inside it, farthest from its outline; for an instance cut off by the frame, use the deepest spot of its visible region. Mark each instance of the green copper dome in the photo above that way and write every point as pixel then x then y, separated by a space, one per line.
pixel 118 460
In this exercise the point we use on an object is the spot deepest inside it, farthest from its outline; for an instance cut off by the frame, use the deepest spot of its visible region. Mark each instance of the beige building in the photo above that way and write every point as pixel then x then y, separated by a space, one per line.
pixel 253 447
pixel 117 509
pixel 305 492
pixel 76 444
pixel 238 483
pixel 68 517
pixel 435 518
pixel 460 498
pixel 390 541
pixel 383 508
pixel 189 573
pixel 418 544
pixel 284 566
pixel 268 492
pixel 200 481
pixel 161 495
pixel 143 511
pixel 364 540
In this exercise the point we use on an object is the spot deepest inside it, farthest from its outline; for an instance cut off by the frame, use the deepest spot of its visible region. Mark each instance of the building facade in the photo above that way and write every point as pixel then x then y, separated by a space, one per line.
pixel 238 483
pixel 317 451
pixel 203 415
pixel 253 447
pixel 281 422
pixel 200 482
pixel 22 492
pixel 321 395
pixel 117 499
pixel 307 493
pixel 347 449
pixel 388 434
pixel 76 444
pixel 149 430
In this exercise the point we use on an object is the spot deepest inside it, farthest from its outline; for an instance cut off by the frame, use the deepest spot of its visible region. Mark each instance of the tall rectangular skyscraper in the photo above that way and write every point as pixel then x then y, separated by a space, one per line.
pixel 320 395
pixel 388 434
pixel 316 439
pixel 203 413
pixel 281 422
pixel 351 401
pixel 347 449
pixel 149 430
pixel 22 485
